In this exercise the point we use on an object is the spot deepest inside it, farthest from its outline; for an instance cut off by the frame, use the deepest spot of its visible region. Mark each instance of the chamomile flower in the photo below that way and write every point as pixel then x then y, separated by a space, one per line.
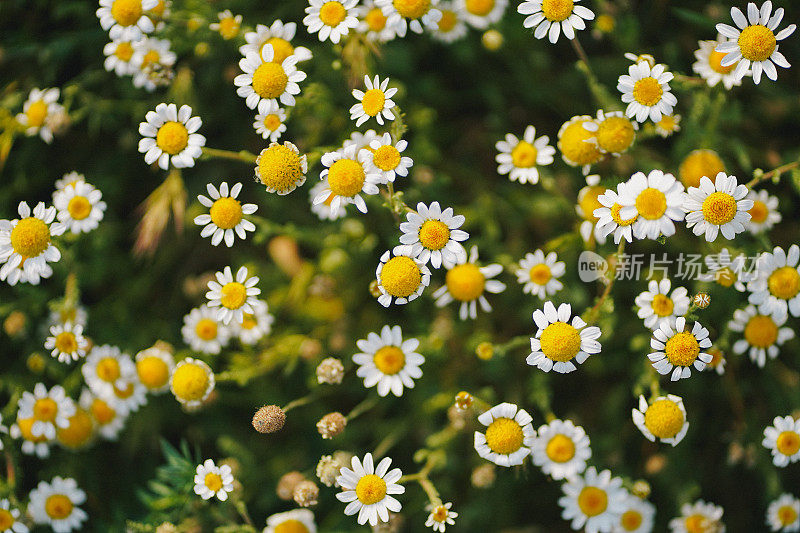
pixel 26 244
pixel 655 200
pixel 608 219
pixel 657 306
pixel 414 14
pixel 119 53
pixel 481 13
pixel 70 179
pixel 593 501
pixel 538 274
pixel 128 396
pixel 509 435
pixel 588 203
pixel 78 434
pixel 440 516
pixel 520 158
pixel 561 449
pixel 369 490
pixel 466 282
pixel 575 146
pixel 373 23
pixel 49 409
pixel 154 367
pixel 281 168
pixel 105 368
pixel 452 25
pixel 211 480
pixel 323 209
pixel 255 326
pixel 664 419
pixel 613 132
pixel 698 516
pixel 191 382
pixel 271 123
pixel 331 19
pixel 401 276
pixel 56 503
pixel 388 159
pixel 228 26
pixel 153 60
pixel 718 206
pixel 783 514
pixel 232 297
pixel 754 44
pixel 725 270
pixel 80 207
pixel 31 445
pixel 169 135
pixel 297 520
pixel 709 64
pixel 347 176
pixel 279 35
pixel 202 332
pixel 646 90
pixel 126 17
pixel 775 288
pixel 361 140
pixel 637 517
pixel 39 112
pixel 552 17
pixel 636 58
pixel 678 349
pixel 718 360
pixel 107 420
pixel 9 519
pixel 559 341
pixel 668 125
pixel 762 334
pixel 388 362
pixel 375 102
pixel 76 314
pixel 764 214
pixel 700 163
pixel 434 235
pixel 66 342
pixel 226 214
pixel 263 80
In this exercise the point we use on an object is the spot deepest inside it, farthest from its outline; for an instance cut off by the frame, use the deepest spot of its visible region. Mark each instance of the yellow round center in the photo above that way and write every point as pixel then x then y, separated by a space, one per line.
pixel 631 520
pixel 280 168
pixel 226 213
pixel 206 329
pixel 400 276
pixel 6 519
pixel 25 429
pixel 270 80
pixel 213 481
pixel 45 410
pixel 124 51
pixel 332 13
pixel 784 283
pixel 448 21
pixel 390 360
pixel 36 113
pixel 291 526
pixel 786 515
pixel 153 372
pixel 615 209
pixel 664 418
pixel 504 436
pixel 719 208
pixel 667 123
pixel 281 49
pixel 725 276
pixel 788 443
pixel 370 489
pixel 480 8
pixel 434 234
pixel 560 448
pixel 387 157
pixel 698 164
pixel 272 122
pixel 152 57
pixel 190 382
pixel 79 207
pixel 126 12
pixel 373 102
pixel 588 201
pixel 440 513
pixel 761 331
pixel 682 349
pixel 412 9
pixel 560 341
pixel 160 8
pixel 651 204
pixel 757 43
pixel 76 434
pixel 66 342
pixel 697 523
pixel 30 237
pixel 574 146
pixel 465 282
pixel 759 212
pixel 124 392
pixel 172 137
pixel 715 62
pixel 108 369
pixel 375 19
pixel 557 10
pixel 524 155
pixel 249 321
pixel 592 501
pixel 58 506
pixel 540 274
pixel 228 28
pixel 662 305
pixel 102 412
pixel 647 91
pixel 615 134
pixel 233 295
pixel 346 177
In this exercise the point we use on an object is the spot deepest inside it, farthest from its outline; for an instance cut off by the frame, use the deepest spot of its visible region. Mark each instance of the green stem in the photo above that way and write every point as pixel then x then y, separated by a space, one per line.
pixel 242 155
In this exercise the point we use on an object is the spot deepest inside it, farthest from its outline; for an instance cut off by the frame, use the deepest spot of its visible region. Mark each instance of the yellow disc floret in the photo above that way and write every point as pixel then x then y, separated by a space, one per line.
pixel 228 28
pixel 412 9
pixel 574 146
pixel 30 237
pixel 376 20
pixel 651 204
pixel 480 8
pixel 400 276
pixel 719 208
pixel 757 43
pixel 615 134
pixel 233 295
pixel 647 91
pixel 700 163
pixel 213 482
pixel 761 331
pixel 36 113
pixel 153 372
pixel 126 12
pixel 332 13
pixel 524 155
pixel 664 418
pixel 172 137
pixel 465 282
pixel 560 448
pixel 504 436
pixel 190 382
pixel 226 212
pixel 592 501
pixel 373 102
pixel 45 410
pixel 206 329
pixel 346 177
pixel 557 10
pixel 682 349
pixel 108 369
pixel 272 122
pixel 280 168
pixel 434 234
pixel 631 520
pixel 788 442
pixel 715 62
pixel 389 359
pixel 78 432
pixel 6 519
pixel 615 209
pixel 370 489
pixel 66 342
pixel 281 49
pixel 540 274
pixel 102 411
pixel 588 201
pixel 124 51
pixel 448 21
pixel 387 157
pixel 787 515
pixel 560 341
pixel 270 80
pixel 58 506
pixel 662 305
pixel 291 526
pixel 759 212
pixel 784 283
pixel 79 207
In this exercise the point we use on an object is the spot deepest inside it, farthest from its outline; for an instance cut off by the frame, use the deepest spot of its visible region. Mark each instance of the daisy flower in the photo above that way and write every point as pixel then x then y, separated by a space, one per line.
pixel 128 397
pixel 191 382
pixel 169 135
pixel 717 360
pixel 264 80
pixel 281 168
pixel 80 207
pixel 279 36
pixel 255 326
pixel 783 514
pixel 122 18
pixel 76 314
pixel 202 332
pixel 764 214
pixel 105 368
pixel 519 158
pixel 754 44
pixel 434 235
pixel 414 14
pixel 232 297
pixel 509 435
pixel 668 125
pixel 154 367
pixel 613 132
pixel 637 517
pixel 452 25
pixel 228 25
pixel 77 435
pixel 323 209
pixel 66 342
pixel 593 501
pixel 698 516
pixel 107 420
pixel 551 17
pixel 588 203
pixel 718 206
pixel 440 516
pixel 481 13
pixel 152 61
pixel 775 288
pixel 299 520
pixel 346 176
pixel 663 419
pixel 26 244
pixel 387 158
pixel 388 361
pixel 636 58
pixel 119 53
pixel 782 438
pixel 658 307
pixel 700 163
pixel 373 23
pixel 574 143
pixel 401 276
pixel 271 123
pixel 39 111
pixel 561 449
pixel 558 341
pixel 9 519
pixel 726 271
pixel 655 200
pixel 709 64
pixel 538 274
pixel 375 102
pixel 361 140
pixel 48 409
pixel 646 90
pixel 31 445
pixel 762 334
pixel 678 349
pixel 369 491
pixel 211 480
pixel 608 219
pixel 467 283
pixel 56 503
pixel 226 214
pixel 330 19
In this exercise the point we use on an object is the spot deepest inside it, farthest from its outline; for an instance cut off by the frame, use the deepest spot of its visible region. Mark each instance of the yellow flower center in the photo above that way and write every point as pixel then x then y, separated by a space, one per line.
pixel 592 501
pixel 206 329
pixel 30 237
pixel 663 305
pixel 759 212
pixel 761 331
pixel 557 10
pixel 588 201
pixel 757 43
pixel 125 392
pixel 6 519
pixel 387 157
pixel 401 276
pixel 390 360
pixel 647 91
pixel 213 481
pixel 788 443
pixel 697 523
pixel 375 19
pixel 698 164
pixel 226 212
pixel 651 204
pixel 281 49
pixel 373 102
pixel 615 209
pixel 25 427
pixel 160 8
pixel 108 369
pixel 291 526
pixel 465 282
pixel 346 177
pixel 248 321
pixel 172 137
pixel 719 208
pixel 58 506
pixel 716 357
pixel 332 13
pixel 560 341
pixel 574 147
pixel 270 80
pixel 725 276
pixel 682 349
pixel 524 155
pixel 370 489
pixel 631 520
pixel 439 513
pixel 664 418
pixel 152 57
pixel 605 23
pixel 715 62
pixel 434 234
pixel 36 113
pixel 126 12
pixel 45 410
pixel 153 372
pixel 667 123
pixel 272 122
pixel 190 382
pixel 228 28
pixel 540 274
pixel 76 434
pixel 412 9
pixel 102 412
pixel 480 8
pixel 787 515
pixel 66 342
pixel 279 167
pixel 504 436
pixel 233 295
pixel 615 134
pixel 124 51
pixel 560 448
pixel 784 283
pixel 79 207
pixel 448 21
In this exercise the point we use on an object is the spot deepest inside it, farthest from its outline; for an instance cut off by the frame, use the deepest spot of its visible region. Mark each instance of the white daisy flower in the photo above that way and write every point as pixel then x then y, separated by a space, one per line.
pixel 346 176
pixel 588 203
pixel 106 368
pixel 664 419
pixel 440 516
pixel 373 23
pixel 655 200
pixel 331 19
pixel 369 490
pixel 764 214
pixel 782 438
pixel 26 244
pixel 388 158
pixel 452 26
pixel 70 179
pixel 361 140
pixel 726 271
pixel 551 17
pixel 66 342
pixel 520 158
pixel 678 349
pixel 152 61
pixel 646 90
pixel 56 503
pixel 709 64
pixel 375 102
pixel 160 13
pixel 401 276
pixel 107 420
pixel 538 274
pixel 38 111
pixel 481 13
pixel 202 332
pixel 558 341
pixel 388 361
pixel 658 307
pixel 434 235
pixel 638 516
pixel 265 81
pixel 154 367
pixel 76 314
pixel 668 125
pixel 613 132
pixel 608 219
pixel 228 26
pixel 718 360
pixel 128 397
pixel 272 122
pixel 718 206
pixel 226 214
pixel 48 409
pixel 212 480
pixel 9 519
pixel 279 36
pixel 232 297
pixel 415 14
pixel 80 207
pixel 119 53
pixel 192 382
pixel 783 514
pixel 561 449
pixel 593 501
pixel 754 44
pixel 509 435
pixel 169 135
pixel 255 326
pixel 31 445
pixel 126 18
pixel 637 58
pixel 762 334
pixel 299 520
pixel 698 516
pixel 775 287
pixel 323 209
pixel 281 168
pixel 467 283
pixel 574 143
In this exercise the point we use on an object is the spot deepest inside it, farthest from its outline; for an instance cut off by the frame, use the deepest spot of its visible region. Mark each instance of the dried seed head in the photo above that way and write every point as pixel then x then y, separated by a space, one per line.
pixel 269 419
pixel 464 400
pixel 641 488
pixel 306 494
pixel 287 484
pixel 330 371
pixel 331 425
pixel 483 476
pixel 328 470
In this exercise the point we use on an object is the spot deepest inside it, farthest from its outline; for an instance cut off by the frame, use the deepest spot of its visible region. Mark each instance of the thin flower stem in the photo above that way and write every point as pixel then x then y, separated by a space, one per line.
pixel 361 408
pixel 299 402
pixel 576 45
pixel 774 173
pixel 242 155
pixel 595 311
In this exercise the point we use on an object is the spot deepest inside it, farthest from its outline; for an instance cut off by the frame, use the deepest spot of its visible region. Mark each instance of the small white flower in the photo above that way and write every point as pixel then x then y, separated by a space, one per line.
pixel 56 504
pixel 726 271
pixel 782 438
pixel 539 274
pixel 594 501
pixel 561 449
pixel 678 349
pixel 764 214
pixel 272 122
pixel 80 207
pixel 331 19
pixel 255 326
pixel 709 64
pixel 106 368
pixel 361 140
pixel 434 235
pixel 401 276
pixel 369 490
pixel 440 516
pixel 414 14
pixel 520 158
pixel 509 435
pixel 668 125
pixel 323 209
pixel 119 55
pixel 706 516
pixel 126 18
pixel 26 244
pixel 290 519
pixel 388 158
pixel 154 366
pixel 212 480
pixel 169 135
pixel 388 361
pixel 613 132
pixel 108 421
pixel 481 13
pixel 608 219
pixel 373 23
pixel 265 81
pixel 638 516
pixel 646 90
pixel 657 306
pixel 375 102
pixel 232 297
pixel 655 201
pixel 783 514
pixel 664 419
pixel 279 35
pixel 467 283
pixel 346 176
pixel 9 518
pixel 718 206
pixel 558 340
pixel 775 288
pixel 49 409
pixel 552 18
pixel 202 332
pixel 226 214
pixel 38 111
pixel 152 61
pixel 66 342
pixel 228 25
pixel 762 334
pixel 452 26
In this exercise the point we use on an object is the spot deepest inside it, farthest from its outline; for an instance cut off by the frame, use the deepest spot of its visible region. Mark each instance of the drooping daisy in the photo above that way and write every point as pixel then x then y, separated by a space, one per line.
pixel 169 135
pixel 608 219
pixel 346 176
pixel 323 209
pixel 637 517
pixel 481 13
pixel 725 270
pixel 467 283
pixel 401 276
pixel 388 361
pixel 152 60
pixel 754 44
pixel 279 36
pixel 31 445
pixel 80 207
pixel 440 516
pixel 202 332
pixel 226 214
pixel 281 168
pixel 613 132
pixel 775 288
pixel 594 501
pixel 698 516
pixel 373 23
pixel 9 519
pixel 228 25
pixel 369 490
pixel 107 367
pixel 588 203
pixel 783 514
pixel 561 449
pixel 271 123
pixel 678 349
pixel 263 80
pixel 668 125
pixel 718 206
pixel 558 341
pixel 388 158
pixel 646 90
pixel 331 19
pixel 709 64
pixel 255 326
pixel 154 367
pixel 107 420
pixel 764 214
pixel 539 274
pixel 657 306
pixel 762 334
pixel 66 342
pixel 296 521
pixel 121 18
pixel 119 53
pixel 414 14
pixel 551 17
pixel 56 503
pixel 375 102
pixel 434 235
pixel 211 480
pixel 48 409
pixel 191 382
pixel 520 158
pixel 664 419
pixel 655 200
pixel 509 435
pixel 575 146
pixel 782 438
pixel 26 244
pixel 452 25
